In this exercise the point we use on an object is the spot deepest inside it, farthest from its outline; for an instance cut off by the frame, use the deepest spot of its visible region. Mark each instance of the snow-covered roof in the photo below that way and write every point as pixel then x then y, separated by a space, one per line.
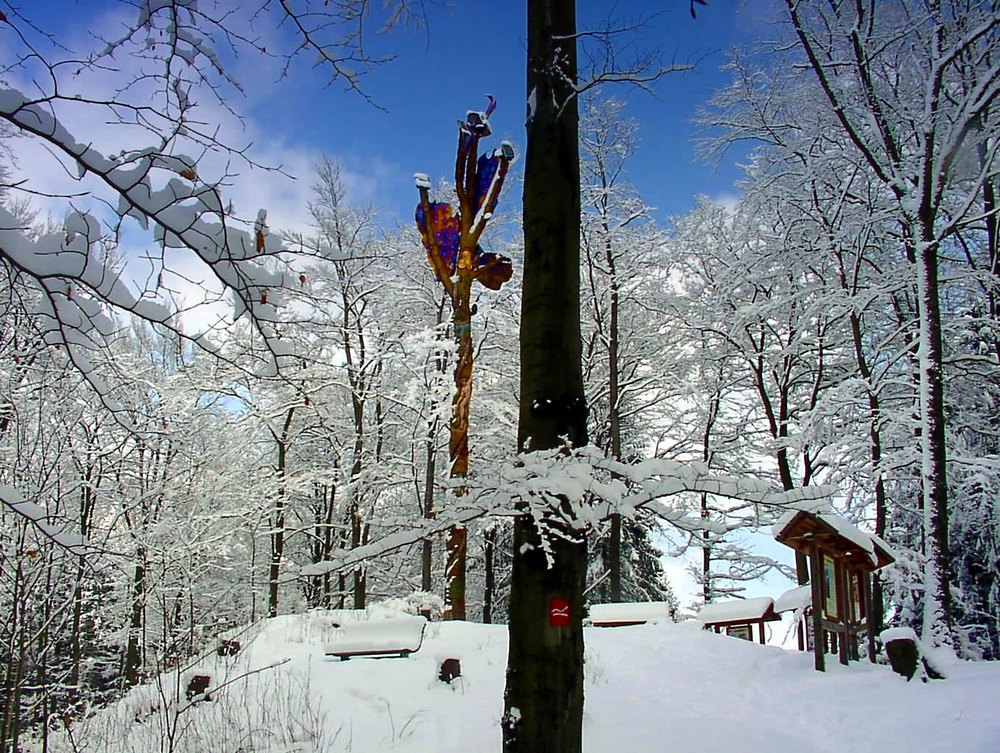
pixel 793 599
pixel 866 542
pixel 735 609
pixel 636 611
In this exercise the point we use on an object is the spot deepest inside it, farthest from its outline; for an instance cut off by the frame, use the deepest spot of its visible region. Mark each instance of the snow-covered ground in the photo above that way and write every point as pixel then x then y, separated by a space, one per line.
pixel 648 688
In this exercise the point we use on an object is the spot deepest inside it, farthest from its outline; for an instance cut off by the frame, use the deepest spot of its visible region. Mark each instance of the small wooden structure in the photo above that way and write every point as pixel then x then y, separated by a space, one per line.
pixel 737 617
pixel 841 560
pixel 625 613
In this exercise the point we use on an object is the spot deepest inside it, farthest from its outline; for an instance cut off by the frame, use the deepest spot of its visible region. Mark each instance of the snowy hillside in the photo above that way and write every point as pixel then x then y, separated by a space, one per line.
pixel 649 688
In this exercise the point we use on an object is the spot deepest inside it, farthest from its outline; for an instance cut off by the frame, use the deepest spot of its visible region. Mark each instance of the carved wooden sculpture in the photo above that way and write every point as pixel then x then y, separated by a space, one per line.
pixel 451 240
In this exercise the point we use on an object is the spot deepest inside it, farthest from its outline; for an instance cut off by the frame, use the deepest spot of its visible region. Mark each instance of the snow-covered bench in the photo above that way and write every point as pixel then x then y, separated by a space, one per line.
pixel 621 614
pixel 398 636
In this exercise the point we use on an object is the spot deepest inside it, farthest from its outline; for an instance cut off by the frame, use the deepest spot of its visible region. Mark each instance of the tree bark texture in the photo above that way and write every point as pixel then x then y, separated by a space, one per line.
pixel 544 696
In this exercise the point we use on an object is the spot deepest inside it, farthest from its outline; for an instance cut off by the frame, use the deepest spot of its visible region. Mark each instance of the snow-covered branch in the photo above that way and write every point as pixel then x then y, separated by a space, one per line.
pixel 566 490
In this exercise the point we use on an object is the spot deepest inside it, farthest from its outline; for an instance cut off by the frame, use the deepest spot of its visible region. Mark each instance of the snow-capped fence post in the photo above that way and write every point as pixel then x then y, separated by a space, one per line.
pixel 453 251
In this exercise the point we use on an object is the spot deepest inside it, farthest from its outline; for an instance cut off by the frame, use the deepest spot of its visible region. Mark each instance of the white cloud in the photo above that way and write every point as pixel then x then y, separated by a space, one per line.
pixel 727 200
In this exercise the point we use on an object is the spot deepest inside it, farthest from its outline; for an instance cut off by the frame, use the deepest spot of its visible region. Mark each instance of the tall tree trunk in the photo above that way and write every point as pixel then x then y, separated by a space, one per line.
pixel 614 404
pixel 354 510
pixel 615 559
pixel 136 627
pixel 937 580
pixel 992 220
pixel 543 701
pixel 489 554
pixel 327 538
pixel 707 453
pixel 278 519
pixel 875 454
pixel 88 499
pixel 430 454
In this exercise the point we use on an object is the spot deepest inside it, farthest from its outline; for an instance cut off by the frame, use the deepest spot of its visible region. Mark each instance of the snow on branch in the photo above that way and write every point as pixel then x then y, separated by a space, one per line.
pixel 572 490
pixel 38 517
pixel 78 286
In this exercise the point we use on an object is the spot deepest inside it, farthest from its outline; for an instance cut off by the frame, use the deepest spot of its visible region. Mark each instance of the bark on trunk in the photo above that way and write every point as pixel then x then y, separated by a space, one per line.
pixel 614 408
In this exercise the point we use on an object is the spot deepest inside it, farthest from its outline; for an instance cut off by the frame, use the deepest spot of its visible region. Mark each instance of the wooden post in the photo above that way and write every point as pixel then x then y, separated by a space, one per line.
pixel 866 604
pixel 819 642
pixel 843 604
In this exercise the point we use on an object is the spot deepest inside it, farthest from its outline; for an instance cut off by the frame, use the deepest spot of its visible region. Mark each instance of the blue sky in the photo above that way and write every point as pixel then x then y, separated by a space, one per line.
pixel 467 49
pixel 477 47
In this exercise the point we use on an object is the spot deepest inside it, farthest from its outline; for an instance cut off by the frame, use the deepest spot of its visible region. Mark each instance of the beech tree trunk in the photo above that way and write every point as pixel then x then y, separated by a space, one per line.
pixel 132 672
pixel 427 551
pixel 543 701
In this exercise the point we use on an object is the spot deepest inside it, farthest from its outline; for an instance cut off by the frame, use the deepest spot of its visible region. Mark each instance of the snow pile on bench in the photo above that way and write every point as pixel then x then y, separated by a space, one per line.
pixel 396 636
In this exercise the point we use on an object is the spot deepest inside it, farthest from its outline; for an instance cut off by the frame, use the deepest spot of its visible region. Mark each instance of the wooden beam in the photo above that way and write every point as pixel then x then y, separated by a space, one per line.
pixel 819 643
pixel 866 603
pixel 843 608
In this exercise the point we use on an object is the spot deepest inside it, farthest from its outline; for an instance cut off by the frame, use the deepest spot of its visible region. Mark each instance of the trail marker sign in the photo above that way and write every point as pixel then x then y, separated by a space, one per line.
pixel 558 612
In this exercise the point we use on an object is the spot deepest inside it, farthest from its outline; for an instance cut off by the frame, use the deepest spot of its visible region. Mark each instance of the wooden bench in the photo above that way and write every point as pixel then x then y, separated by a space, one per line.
pixel 623 614
pixel 399 637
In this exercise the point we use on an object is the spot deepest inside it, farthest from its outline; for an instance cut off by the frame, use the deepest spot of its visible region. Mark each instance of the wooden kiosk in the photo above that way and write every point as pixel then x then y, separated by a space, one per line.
pixel 841 560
